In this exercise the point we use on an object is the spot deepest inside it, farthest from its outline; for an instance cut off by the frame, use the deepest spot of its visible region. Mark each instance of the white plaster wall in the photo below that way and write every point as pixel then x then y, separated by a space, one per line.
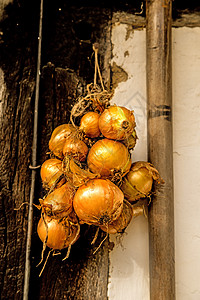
pixel 129 263
pixel 186 99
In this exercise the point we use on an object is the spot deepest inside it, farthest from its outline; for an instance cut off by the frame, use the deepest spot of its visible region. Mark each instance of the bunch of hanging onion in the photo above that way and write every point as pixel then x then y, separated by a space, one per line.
pixel 90 178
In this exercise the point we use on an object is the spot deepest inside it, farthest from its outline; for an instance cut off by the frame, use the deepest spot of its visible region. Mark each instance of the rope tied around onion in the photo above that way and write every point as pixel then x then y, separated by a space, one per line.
pixel 97 97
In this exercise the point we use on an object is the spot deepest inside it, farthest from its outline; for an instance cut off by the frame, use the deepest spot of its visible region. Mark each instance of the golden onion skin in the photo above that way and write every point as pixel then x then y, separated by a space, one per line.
pixel 61 233
pixel 58 138
pixel 108 156
pixel 77 175
pixel 139 180
pixel 98 202
pixel 122 222
pixel 75 148
pixel 58 203
pixel 90 124
pixel 51 173
pixel 130 142
pixel 117 123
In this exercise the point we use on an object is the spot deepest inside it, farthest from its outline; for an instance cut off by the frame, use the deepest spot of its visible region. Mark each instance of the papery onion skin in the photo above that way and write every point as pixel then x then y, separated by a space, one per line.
pixel 58 203
pixel 61 233
pixel 90 124
pixel 77 175
pixel 140 208
pixel 122 222
pixel 117 123
pixel 139 180
pixel 51 173
pixel 75 148
pixel 130 142
pixel 58 138
pixel 98 202
pixel 107 156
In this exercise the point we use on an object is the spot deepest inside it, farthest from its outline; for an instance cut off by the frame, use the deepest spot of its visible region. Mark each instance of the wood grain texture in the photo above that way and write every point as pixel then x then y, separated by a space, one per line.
pixel 69 48
pixel 159 91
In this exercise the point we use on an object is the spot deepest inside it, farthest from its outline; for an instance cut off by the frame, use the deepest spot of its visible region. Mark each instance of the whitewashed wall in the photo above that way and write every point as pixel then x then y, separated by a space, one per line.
pixel 186 94
pixel 129 270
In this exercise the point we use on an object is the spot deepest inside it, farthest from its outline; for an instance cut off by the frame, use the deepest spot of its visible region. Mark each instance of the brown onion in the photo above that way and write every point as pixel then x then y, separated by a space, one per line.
pixel 108 156
pixel 60 233
pixel 138 182
pixel 51 173
pixel 59 203
pixel 117 123
pixel 77 175
pixel 122 222
pixel 90 124
pixel 98 202
pixel 58 138
pixel 75 148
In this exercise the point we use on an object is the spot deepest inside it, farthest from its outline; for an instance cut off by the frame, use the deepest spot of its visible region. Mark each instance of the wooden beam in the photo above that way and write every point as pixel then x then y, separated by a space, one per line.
pixel 160 148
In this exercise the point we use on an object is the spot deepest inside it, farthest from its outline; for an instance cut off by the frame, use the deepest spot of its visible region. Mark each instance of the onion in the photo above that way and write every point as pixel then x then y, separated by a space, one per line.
pixel 130 142
pixel 51 173
pixel 98 202
pixel 60 233
pixel 77 175
pixel 90 124
pixel 107 157
pixel 122 222
pixel 138 182
pixel 117 123
pixel 140 208
pixel 75 148
pixel 58 138
pixel 59 203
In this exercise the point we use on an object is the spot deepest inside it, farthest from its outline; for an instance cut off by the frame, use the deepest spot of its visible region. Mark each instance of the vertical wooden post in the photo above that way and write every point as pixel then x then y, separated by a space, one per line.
pixel 159 93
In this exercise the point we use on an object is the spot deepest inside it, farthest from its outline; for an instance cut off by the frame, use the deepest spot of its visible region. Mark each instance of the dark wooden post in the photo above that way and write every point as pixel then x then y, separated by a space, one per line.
pixel 159 93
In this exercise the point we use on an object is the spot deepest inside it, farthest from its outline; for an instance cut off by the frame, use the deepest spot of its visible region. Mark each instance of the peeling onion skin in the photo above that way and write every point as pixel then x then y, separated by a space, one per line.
pixel 51 172
pixel 122 222
pixel 75 148
pixel 130 142
pixel 77 175
pixel 90 124
pixel 58 138
pixel 61 233
pixel 98 202
pixel 107 156
pixel 117 123
pixel 58 204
